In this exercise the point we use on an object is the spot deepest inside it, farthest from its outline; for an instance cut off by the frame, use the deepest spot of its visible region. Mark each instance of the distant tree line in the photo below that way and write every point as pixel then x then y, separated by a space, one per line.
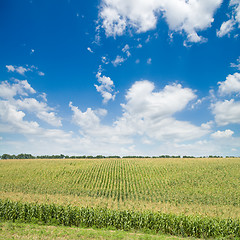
pixel 61 156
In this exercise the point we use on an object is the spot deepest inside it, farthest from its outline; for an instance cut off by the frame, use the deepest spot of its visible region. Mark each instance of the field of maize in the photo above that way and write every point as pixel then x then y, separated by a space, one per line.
pixel 120 219
pixel 209 188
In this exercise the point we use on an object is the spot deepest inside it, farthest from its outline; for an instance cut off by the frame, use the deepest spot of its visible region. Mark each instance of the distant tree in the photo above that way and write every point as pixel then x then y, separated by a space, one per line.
pixel 6 156
pixel 25 156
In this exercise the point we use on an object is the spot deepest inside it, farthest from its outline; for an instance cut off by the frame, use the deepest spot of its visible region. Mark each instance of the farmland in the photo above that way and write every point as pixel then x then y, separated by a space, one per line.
pixel 202 187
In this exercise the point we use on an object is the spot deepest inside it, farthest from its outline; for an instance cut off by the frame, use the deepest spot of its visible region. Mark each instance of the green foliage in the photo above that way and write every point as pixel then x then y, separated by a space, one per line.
pixel 19 156
pixel 213 182
pixel 126 220
pixel 61 156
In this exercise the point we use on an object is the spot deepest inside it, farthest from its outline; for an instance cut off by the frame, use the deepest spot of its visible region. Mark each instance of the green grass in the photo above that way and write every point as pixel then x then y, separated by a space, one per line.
pixel 208 187
pixel 10 230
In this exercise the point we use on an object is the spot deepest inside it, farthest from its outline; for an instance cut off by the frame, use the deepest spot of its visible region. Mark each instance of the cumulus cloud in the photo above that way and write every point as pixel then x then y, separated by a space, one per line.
pixel 10 115
pixel 222 134
pixel 147 115
pixel 16 108
pixel 9 91
pixel 40 109
pixel 118 61
pixel 106 87
pixel 230 85
pixel 226 112
pixel 229 25
pixel 94 131
pixel 88 119
pixel 181 16
pixel 151 113
pixel 142 98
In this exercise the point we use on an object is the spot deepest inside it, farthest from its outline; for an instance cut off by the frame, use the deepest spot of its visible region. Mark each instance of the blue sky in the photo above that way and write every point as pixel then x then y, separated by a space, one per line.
pixel 118 77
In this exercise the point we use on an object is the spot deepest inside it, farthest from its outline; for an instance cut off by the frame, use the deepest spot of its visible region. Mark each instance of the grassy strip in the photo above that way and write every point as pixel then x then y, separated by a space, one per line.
pixel 124 220
pixel 10 230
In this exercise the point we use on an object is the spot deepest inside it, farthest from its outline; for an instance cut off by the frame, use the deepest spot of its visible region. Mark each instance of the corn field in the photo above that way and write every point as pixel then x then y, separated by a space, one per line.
pixel 174 181
pixel 188 197
pixel 125 220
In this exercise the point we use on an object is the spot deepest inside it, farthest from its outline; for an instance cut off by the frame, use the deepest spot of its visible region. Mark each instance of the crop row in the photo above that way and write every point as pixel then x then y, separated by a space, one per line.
pixel 126 220
pixel 176 181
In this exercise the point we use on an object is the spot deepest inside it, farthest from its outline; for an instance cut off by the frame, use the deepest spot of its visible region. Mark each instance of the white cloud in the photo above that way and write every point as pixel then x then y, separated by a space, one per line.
pixel 10 68
pixel 214 146
pixel 226 27
pixel 41 73
pixel 236 65
pixel 151 113
pixel 141 99
pixel 86 120
pixel 207 125
pixel 118 61
pixel 95 133
pixel 198 102
pixel 43 96
pixel 23 88
pixel 14 118
pixel 105 60
pixel 222 134
pixel 148 39
pixel 90 50
pixel 226 112
pixel 10 115
pixel 139 45
pixel 230 85
pixel 21 70
pixel 236 9
pixel 229 25
pixel 147 115
pixel 137 61
pixel 126 50
pixel 181 16
pixel 40 109
pixel 8 90
pixel 149 61
pixel 106 87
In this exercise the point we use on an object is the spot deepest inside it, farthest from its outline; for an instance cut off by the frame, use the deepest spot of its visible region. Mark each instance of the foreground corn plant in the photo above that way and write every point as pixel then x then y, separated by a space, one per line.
pixel 126 220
